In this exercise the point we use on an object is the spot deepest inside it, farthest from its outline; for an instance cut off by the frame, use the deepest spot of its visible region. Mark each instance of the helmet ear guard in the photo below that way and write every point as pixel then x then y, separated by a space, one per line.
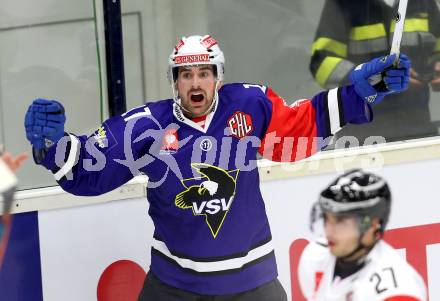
pixel 364 223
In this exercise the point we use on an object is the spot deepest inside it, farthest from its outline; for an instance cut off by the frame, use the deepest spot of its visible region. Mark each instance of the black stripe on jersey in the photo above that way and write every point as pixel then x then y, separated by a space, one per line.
pixel 218 258
pixel 327 116
pixel 341 108
pixel 224 272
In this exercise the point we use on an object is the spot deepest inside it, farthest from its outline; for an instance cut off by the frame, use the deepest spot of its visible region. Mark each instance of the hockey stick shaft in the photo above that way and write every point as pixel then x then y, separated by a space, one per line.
pixel 398 30
pixel 377 80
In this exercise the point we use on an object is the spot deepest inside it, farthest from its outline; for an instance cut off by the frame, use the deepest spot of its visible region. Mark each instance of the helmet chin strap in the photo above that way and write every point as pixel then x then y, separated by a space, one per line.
pixel 360 246
pixel 215 97
pixel 177 99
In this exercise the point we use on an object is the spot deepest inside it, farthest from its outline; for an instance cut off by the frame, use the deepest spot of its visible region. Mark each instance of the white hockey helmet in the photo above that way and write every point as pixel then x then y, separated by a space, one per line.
pixel 196 50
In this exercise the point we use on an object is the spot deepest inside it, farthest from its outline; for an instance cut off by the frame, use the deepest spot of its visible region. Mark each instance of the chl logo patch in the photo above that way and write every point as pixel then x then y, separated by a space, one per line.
pixel 240 124
pixel 210 195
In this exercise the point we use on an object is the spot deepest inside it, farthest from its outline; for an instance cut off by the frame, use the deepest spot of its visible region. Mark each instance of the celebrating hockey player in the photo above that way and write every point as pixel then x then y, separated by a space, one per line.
pixel 199 149
pixel 353 263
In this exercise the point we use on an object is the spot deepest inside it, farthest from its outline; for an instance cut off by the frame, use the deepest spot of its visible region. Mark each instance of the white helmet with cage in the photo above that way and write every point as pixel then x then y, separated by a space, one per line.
pixel 196 50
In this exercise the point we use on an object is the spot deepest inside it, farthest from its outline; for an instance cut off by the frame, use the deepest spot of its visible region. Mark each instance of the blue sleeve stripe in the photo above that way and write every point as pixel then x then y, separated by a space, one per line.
pixel 356 110
pixel 337 107
pixel 320 103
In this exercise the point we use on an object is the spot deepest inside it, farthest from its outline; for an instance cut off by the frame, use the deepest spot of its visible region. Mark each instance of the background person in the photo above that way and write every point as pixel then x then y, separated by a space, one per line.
pixel 353 262
pixel 354 31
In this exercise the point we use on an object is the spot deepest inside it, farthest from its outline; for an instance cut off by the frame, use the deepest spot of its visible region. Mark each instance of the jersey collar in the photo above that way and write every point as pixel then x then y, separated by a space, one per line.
pixel 178 113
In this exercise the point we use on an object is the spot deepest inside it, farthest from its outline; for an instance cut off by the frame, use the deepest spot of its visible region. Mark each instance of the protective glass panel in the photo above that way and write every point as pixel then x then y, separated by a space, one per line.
pixel 47 50
pixel 298 47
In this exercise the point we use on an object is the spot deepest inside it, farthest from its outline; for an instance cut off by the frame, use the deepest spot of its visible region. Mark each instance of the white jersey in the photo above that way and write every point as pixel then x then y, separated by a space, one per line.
pixel 386 276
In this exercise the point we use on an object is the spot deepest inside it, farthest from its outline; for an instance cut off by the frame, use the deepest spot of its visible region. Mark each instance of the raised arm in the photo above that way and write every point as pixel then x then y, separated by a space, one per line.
pixel 84 165
pixel 298 131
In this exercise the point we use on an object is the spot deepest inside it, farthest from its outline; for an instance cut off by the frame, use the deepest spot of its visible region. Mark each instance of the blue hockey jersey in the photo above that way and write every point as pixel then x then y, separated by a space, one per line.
pixel 211 234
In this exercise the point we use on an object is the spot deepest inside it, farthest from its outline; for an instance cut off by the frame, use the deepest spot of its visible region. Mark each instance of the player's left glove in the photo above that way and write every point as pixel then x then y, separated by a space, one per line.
pixel 380 77
pixel 44 124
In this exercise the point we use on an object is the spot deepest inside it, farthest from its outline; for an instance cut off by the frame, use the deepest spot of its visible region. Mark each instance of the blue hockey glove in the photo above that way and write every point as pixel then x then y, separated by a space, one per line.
pixel 380 77
pixel 44 123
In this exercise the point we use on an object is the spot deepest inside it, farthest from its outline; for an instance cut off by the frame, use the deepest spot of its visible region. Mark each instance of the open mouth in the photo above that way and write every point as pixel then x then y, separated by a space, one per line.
pixel 197 97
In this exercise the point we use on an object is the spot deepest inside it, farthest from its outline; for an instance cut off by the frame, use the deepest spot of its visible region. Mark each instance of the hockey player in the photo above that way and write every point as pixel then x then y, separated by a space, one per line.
pixel 354 264
pixel 212 237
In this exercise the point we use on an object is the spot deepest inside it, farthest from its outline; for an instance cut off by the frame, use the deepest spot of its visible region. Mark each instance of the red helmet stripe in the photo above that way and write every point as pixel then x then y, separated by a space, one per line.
pixel 208 42
pixel 179 45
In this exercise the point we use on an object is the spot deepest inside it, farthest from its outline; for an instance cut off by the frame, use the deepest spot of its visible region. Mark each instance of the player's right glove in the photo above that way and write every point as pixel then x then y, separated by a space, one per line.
pixel 391 79
pixel 44 124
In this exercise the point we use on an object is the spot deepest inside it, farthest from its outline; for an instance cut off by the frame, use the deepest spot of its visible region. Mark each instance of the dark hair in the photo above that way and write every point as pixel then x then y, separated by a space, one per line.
pixel 176 70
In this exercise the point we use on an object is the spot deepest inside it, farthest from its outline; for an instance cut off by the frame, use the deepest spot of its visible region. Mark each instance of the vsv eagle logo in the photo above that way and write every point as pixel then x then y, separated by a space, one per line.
pixel 210 195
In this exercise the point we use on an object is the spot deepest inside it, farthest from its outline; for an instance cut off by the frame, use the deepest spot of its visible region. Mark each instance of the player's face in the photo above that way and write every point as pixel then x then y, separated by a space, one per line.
pixel 196 87
pixel 342 233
